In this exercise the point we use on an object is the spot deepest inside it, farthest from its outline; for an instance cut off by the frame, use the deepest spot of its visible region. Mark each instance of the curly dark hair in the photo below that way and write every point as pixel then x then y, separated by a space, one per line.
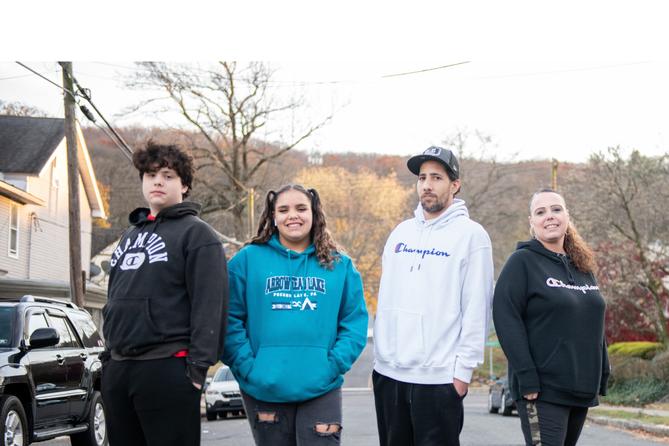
pixel 154 157
pixel 327 249
pixel 576 248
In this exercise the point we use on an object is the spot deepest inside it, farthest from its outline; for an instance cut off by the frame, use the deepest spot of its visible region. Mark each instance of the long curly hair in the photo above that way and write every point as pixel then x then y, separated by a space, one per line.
pixel 576 248
pixel 327 249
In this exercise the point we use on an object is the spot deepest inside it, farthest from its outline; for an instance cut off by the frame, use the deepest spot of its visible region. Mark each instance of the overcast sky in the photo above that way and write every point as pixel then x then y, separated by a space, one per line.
pixel 541 81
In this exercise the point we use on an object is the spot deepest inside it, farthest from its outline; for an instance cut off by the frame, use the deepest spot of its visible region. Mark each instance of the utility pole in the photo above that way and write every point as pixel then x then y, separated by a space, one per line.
pixel 74 218
pixel 554 167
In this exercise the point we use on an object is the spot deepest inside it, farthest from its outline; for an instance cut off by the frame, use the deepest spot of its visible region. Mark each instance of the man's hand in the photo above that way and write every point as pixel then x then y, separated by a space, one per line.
pixel 197 386
pixel 531 396
pixel 460 387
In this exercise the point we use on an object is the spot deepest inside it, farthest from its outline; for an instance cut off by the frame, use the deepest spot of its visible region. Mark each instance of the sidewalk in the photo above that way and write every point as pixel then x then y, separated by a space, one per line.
pixel 650 428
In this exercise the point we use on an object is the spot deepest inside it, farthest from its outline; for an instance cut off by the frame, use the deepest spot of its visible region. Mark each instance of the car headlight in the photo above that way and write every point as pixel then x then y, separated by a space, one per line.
pixel 213 392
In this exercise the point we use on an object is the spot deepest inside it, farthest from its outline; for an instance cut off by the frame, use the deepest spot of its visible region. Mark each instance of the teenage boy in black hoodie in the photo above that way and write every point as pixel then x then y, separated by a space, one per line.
pixel 166 310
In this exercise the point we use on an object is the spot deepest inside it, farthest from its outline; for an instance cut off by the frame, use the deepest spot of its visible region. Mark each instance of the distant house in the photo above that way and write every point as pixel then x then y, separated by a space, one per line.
pixel 34 253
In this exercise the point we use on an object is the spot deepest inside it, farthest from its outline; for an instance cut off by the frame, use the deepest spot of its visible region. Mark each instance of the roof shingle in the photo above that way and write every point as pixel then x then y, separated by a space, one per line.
pixel 26 143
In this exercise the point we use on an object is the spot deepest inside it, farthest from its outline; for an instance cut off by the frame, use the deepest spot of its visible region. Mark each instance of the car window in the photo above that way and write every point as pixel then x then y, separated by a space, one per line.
pixel 67 339
pixel 87 330
pixel 36 321
pixel 6 326
pixel 224 375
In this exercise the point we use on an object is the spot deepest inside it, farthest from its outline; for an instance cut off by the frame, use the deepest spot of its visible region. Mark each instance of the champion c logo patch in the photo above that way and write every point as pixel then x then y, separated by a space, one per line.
pixel 133 261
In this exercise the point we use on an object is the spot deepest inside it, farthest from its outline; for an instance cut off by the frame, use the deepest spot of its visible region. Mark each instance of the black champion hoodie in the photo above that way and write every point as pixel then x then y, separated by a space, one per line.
pixel 549 319
pixel 168 290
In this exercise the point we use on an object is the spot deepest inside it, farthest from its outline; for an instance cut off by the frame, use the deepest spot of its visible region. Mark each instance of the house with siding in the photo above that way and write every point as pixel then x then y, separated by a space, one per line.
pixel 34 246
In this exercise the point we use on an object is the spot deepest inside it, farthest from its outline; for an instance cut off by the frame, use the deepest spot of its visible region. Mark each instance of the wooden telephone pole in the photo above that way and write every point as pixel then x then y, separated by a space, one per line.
pixel 554 171
pixel 74 217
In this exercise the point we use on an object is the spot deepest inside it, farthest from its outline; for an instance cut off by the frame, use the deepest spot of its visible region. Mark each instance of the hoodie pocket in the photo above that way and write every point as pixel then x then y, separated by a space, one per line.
pixel 128 324
pixel 399 339
pixel 169 315
pixel 574 366
pixel 290 373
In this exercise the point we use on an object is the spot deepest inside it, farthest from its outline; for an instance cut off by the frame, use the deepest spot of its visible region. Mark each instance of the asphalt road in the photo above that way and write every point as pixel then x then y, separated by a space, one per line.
pixel 481 428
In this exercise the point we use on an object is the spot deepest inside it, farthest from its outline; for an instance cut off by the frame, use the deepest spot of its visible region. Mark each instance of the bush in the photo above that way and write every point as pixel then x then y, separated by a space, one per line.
pixel 660 365
pixel 642 349
pixel 636 392
pixel 624 368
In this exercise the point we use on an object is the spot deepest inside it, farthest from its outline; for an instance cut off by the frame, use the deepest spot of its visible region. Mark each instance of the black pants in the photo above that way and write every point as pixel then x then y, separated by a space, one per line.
pixel 150 403
pixel 417 414
pixel 558 425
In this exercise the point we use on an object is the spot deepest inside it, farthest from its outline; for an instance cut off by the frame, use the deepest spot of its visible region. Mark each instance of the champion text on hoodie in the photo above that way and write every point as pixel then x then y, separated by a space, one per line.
pixel 294 327
pixel 434 298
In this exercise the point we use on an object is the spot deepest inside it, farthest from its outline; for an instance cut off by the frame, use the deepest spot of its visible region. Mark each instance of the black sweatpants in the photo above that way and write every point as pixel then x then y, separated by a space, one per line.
pixel 417 414
pixel 557 425
pixel 150 403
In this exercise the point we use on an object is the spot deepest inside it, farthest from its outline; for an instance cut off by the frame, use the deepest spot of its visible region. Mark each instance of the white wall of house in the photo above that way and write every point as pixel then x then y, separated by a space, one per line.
pixel 13 265
pixel 44 235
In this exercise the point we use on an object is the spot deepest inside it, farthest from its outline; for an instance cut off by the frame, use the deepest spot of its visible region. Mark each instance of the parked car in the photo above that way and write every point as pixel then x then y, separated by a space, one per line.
pixel 222 395
pixel 499 397
pixel 49 373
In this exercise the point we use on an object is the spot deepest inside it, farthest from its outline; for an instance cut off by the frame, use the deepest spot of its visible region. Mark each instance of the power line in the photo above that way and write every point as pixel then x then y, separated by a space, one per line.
pixel 425 70
pixel 119 141
pixel 48 80
pixel 85 93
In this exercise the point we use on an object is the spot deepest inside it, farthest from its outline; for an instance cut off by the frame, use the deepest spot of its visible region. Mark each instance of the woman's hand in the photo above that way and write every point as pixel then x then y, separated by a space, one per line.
pixel 531 396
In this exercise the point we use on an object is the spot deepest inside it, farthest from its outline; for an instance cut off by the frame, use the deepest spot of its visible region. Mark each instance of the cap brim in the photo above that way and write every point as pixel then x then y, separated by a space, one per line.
pixel 415 162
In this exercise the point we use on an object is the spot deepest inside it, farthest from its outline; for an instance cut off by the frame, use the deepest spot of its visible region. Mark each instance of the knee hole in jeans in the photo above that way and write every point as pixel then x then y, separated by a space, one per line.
pixel 267 417
pixel 327 429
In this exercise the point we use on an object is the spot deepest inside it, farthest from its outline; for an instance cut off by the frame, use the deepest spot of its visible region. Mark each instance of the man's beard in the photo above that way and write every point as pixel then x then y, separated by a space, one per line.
pixel 436 206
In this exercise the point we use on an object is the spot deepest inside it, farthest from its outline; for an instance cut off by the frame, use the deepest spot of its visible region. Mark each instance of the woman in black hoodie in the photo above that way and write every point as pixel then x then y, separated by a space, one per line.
pixel 549 317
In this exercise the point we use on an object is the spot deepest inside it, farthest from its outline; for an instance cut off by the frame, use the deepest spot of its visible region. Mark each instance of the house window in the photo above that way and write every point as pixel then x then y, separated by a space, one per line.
pixel 13 230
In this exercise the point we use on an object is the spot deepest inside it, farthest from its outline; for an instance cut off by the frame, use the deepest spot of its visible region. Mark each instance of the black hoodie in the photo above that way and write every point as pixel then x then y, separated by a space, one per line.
pixel 549 319
pixel 168 290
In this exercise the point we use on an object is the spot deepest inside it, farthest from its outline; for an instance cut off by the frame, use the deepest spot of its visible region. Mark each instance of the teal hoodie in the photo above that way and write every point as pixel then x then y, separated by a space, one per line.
pixel 294 327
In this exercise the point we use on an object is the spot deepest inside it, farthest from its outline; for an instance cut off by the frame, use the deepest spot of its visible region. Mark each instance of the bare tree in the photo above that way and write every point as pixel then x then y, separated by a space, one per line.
pixel 20 109
pixel 494 193
pixel 626 200
pixel 228 106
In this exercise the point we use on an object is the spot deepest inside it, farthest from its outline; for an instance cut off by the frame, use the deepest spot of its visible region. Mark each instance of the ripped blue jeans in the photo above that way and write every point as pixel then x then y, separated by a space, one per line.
pixel 312 422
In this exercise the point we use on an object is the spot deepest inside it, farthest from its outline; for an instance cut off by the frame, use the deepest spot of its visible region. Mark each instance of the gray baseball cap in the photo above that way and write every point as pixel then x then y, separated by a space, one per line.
pixel 434 153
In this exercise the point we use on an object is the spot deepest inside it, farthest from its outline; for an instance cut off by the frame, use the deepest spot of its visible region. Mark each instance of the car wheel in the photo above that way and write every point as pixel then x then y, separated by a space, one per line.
pixel 506 410
pixel 211 416
pixel 96 435
pixel 13 424
pixel 491 406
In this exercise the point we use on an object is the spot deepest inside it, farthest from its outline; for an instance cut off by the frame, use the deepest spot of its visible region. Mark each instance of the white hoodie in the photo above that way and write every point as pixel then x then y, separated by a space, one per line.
pixel 434 298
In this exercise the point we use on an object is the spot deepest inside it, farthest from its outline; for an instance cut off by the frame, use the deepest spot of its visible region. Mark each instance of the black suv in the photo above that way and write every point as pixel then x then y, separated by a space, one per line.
pixel 49 373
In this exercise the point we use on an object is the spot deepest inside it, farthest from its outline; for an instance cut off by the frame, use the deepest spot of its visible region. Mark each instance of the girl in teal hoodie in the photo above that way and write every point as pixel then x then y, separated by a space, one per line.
pixel 297 322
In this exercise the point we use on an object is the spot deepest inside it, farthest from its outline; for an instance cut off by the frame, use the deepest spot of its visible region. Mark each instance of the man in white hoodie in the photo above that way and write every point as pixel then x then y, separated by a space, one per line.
pixel 433 311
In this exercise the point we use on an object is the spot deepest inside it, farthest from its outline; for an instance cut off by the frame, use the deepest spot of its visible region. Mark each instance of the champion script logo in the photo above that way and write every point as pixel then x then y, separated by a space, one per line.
pixel 556 283
pixel 403 248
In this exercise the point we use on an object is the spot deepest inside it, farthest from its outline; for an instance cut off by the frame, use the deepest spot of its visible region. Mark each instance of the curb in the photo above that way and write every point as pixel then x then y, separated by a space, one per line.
pixel 653 429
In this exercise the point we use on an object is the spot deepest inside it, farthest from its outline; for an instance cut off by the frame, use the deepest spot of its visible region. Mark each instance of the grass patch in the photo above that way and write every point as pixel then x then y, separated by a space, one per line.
pixel 635 416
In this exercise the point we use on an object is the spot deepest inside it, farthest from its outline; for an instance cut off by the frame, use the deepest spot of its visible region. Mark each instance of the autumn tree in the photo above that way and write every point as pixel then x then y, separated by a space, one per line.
pixel 625 199
pixel 362 209
pixel 233 108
